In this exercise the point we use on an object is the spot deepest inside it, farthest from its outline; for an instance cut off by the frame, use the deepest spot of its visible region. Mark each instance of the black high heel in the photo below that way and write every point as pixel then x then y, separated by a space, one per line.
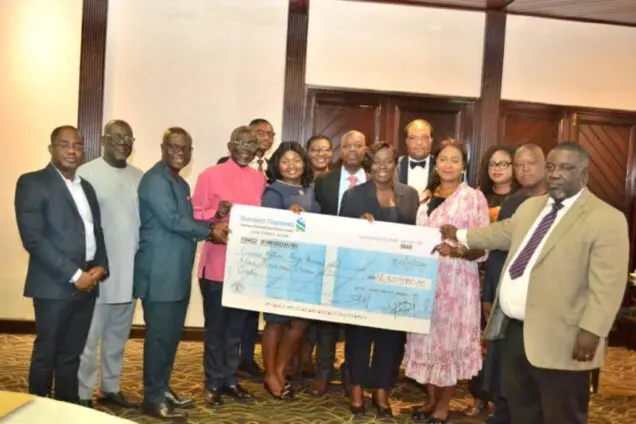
pixel 381 411
pixel 420 415
pixel 357 411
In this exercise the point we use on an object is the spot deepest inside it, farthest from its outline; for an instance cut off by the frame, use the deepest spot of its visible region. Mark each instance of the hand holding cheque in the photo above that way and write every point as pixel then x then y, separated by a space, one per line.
pixel 331 268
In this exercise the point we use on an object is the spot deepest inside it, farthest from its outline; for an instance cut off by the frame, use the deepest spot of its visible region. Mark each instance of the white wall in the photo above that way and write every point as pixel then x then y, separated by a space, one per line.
pixel 397 48
pixel 39 83
pixel 570 63
pixel 206 65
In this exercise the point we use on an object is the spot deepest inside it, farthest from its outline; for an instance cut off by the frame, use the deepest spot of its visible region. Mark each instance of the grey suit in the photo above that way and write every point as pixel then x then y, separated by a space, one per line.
pixel 163 271
pixel 53 233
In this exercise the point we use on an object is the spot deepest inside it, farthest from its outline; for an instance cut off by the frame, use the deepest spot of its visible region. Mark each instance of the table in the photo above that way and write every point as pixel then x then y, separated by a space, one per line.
pixel 28 409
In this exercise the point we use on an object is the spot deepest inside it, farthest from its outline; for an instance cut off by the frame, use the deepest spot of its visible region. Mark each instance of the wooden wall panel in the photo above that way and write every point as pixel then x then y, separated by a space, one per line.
pixel 524 123
pixel 608 139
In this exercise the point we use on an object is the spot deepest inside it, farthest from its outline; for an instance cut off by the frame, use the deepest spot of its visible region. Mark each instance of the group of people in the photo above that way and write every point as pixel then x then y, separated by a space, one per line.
pixel 102 234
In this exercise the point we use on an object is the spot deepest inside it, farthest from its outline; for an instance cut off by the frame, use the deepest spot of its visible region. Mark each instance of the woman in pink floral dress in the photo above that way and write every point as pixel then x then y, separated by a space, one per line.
pixel 452 350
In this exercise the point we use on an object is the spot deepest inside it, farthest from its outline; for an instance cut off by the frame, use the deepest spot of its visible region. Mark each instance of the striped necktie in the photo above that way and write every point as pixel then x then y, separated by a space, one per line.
pixel 518 267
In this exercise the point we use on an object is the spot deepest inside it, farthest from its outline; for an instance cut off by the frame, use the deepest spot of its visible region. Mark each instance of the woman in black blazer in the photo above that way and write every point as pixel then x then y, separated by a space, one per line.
pixel 382 199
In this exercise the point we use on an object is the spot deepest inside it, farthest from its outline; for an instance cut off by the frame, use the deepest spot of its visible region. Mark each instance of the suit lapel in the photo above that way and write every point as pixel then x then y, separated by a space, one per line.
pixel 404 170
pixel 58 184
pixel 564 225
pixel 333 190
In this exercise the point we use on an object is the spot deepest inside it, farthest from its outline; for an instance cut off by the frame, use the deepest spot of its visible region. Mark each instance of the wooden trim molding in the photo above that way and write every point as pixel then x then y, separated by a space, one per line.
pixel 486 123
pixel 91 83
pixel 296 58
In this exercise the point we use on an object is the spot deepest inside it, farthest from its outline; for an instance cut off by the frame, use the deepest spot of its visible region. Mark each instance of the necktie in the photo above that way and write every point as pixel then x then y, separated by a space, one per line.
pixel 352 181
pixel 519 265
pixel 415 164
pixel 260 165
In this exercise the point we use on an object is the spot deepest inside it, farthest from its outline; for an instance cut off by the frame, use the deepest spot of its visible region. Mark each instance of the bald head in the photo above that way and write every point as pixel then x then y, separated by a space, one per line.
pixel 353 146
pixel 118 142
pixel 529 162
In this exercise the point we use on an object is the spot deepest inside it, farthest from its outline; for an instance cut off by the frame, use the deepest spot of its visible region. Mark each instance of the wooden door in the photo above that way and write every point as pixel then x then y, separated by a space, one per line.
pixel 521 123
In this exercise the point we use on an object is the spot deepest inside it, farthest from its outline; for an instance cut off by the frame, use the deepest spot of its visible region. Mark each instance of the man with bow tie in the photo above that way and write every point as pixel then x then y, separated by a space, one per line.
pixel 415 168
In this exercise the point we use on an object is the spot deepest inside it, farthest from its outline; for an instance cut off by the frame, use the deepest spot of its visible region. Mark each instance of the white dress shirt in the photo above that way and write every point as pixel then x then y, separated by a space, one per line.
pixel 513 293
pixel 361 177
pixel 254 163
pixel 84 209
pixel 418 176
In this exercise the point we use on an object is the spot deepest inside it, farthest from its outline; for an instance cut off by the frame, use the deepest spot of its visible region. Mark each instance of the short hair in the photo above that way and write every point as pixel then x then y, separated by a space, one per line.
pixel 317 137
pixel 417 121
pixel 258 121
pixel 485 183
pixel 273 169
pixel 350 133
pixel 447 142
pixel 240 131
pixel 573 146
pixel 175 130
pixel 55 134
pixel 116 123
pixel 382 145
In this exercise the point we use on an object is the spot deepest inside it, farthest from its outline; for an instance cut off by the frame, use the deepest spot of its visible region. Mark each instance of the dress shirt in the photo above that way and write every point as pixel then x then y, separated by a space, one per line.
pixel 84 208
pixel 361 177
pixel 418 176
pixel 239 185
pixel 513 293
pixel 254 163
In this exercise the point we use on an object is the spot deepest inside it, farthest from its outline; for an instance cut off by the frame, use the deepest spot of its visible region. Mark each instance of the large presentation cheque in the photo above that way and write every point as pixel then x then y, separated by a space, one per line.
pixel 331 269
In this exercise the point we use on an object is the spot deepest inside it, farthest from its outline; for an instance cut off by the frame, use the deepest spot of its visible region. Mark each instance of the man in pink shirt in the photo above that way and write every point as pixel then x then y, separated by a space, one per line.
pixel 217 189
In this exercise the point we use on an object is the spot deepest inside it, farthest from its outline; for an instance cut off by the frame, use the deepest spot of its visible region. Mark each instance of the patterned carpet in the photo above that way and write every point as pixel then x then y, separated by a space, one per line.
pixel 614 404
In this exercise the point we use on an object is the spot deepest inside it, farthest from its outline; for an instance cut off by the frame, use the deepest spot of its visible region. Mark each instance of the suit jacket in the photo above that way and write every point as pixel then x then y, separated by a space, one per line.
pixel 578 280
pixel 497 258
pixel 327 189
pixel 402 169
pixel 53 233
pixel 167 238
pixel 363 199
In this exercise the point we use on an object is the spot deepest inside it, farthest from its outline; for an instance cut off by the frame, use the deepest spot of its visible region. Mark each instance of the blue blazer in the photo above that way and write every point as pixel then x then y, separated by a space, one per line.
pixel 167 238
pixel 53 233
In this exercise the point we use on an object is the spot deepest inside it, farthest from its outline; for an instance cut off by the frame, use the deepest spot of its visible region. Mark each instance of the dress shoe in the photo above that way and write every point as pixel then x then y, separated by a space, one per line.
pixel 213 398
pixel 236 392
pixel 250 370
pixel 118 399
pixel 174 400
pixel 163 410
pixel 382 411
pixel 87 403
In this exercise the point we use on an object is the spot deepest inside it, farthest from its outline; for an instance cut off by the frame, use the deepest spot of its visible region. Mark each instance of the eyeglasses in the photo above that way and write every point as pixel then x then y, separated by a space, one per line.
pixel 320 150
pixel 175 148
pixel 121 139
pixel 250 144
pixel 499 165
pixel 66 145
pixel 263 133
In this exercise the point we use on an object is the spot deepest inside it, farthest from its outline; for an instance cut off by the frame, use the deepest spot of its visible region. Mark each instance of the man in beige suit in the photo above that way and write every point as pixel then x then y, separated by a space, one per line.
pixel 560 290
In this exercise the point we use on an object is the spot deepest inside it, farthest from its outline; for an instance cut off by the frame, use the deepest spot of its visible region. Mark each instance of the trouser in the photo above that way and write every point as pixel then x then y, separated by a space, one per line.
pixel 61 329
pixel 249 337
pixel 326 339
pixel 223 331
pixel 110 326
pixel 537 395
pixel 372 370
pixel 164 325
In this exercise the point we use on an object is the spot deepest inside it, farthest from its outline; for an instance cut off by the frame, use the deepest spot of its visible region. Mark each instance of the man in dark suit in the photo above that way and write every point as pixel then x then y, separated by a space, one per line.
pixel 529 164
pixel 415 169
pixel 163 268
pixel 60 227
pixel 329 192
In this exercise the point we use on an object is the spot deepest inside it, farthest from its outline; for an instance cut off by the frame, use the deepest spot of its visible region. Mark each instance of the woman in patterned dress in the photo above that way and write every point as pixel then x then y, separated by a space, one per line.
pixel 451 351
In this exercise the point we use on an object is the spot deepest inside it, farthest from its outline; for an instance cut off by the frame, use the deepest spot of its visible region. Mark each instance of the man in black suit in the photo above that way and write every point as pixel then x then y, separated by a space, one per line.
pixel 415 169
pixel 60 226
pixel 529 165
pixel 329 192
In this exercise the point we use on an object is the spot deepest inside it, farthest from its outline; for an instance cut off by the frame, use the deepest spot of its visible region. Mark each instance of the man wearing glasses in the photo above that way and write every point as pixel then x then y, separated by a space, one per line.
pixel 168 239
pixel 217 189
pixel 265 136
pixel 115 184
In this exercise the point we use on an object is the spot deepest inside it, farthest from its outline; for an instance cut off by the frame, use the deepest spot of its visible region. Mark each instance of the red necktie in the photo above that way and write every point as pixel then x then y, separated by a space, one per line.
pixel 352 181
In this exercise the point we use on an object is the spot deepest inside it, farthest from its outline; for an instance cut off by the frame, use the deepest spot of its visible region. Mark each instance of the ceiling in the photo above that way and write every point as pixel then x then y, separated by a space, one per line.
pixel 619 12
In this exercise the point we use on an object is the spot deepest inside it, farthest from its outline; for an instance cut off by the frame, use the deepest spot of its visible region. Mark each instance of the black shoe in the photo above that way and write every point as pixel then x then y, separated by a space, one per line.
pixel 420 415
pixel 86 403
pixel 174 400
pixel 436 420
pixel 236 392
pixel 357 411
pixel 118 399
pixel 163 410
pixel 213 398
pixel 381 411
pixel 250 370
